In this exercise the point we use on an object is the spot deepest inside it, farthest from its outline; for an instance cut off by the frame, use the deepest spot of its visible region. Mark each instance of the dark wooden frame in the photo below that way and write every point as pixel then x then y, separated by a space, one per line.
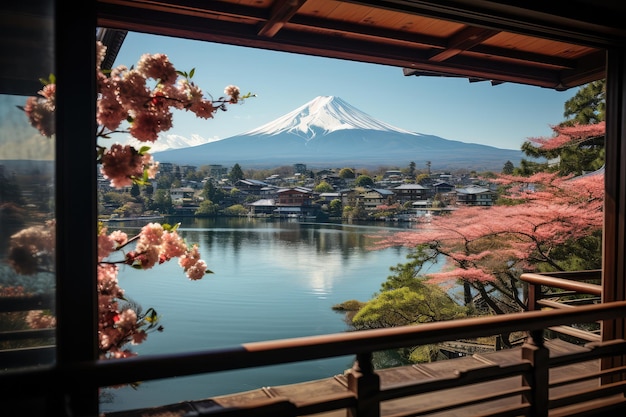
pixel 71 385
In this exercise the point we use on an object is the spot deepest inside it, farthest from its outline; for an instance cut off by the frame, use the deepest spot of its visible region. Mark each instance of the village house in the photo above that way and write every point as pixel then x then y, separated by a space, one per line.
pixel 442 187
pixel 263 207
pixel 411 192
pixel 297 201
pixel 255 188
pixel 475 196
pixel 182 195
pixel 374 197
pixel 328 197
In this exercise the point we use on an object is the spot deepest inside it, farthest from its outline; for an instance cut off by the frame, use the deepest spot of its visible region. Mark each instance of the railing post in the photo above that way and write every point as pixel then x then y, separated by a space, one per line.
pixel 365 383
pixel 538 379
pixel 533 292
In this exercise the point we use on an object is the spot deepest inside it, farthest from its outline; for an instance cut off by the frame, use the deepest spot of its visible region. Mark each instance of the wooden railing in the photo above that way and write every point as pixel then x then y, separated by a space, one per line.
pixel 559 290
pixel 370 392
pixel 34 344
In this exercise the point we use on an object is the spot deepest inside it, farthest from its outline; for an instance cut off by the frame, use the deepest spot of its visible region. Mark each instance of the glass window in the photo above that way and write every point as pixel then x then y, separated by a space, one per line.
pixel 27 188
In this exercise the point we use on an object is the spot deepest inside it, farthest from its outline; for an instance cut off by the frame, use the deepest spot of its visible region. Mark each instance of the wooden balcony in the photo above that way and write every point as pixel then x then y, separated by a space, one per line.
pixel 536 44
pixel 562 369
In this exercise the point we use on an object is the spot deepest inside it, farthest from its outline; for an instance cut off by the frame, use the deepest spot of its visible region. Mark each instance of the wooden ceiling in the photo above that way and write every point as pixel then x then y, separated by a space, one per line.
pixel 538 44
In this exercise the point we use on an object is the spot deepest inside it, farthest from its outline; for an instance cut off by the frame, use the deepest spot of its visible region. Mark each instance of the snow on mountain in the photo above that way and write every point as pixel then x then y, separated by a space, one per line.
pixel 170 141
pixel 323 115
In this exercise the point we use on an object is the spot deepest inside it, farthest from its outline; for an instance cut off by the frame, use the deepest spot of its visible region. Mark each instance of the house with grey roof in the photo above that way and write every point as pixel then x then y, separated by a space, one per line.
pixel 475 196
pixel 374 197
pixel 411 192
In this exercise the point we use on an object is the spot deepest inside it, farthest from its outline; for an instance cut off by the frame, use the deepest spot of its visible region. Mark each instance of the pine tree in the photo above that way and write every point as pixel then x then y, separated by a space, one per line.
pixel 235 174
pixel 578 142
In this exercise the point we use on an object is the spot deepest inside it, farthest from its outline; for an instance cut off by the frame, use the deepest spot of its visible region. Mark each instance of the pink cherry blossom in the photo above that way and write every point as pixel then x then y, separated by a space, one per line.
pixel 570 135
pixel 485 247
pixel 122 164
pixel 137 101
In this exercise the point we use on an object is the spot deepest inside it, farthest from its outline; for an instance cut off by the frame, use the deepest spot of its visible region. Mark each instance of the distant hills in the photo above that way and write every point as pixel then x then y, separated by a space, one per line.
pixel 327 132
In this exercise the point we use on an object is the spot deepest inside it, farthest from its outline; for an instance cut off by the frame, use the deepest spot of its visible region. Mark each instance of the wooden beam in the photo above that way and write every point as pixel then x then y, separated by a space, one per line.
pixel 320 44
pixel 282 11
pixel 463 40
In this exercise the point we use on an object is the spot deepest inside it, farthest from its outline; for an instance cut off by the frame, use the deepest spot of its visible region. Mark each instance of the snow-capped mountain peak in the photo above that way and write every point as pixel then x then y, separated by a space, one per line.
pixel 321 116
pixel 329 133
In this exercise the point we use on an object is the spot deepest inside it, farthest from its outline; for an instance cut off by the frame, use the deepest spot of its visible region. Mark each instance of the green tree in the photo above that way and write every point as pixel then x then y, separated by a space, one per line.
pixel 236 174
pixel 508 168
pixel 364 181
pixel 335 208
pixel 421 303
pixel 422 179
pixel 130 209
pixel 135 191
pixel 527 168
pixel 583 154
pixel 323 187
pixel 356 212
pixel 165 180
pixel 213 193
pixel 411 171
pixel 406 299
pixel 149 190
pixel 588 106
pixel 345 173
pixel 207 208
pixel 116 198
pixel 162 201
pixel 236 210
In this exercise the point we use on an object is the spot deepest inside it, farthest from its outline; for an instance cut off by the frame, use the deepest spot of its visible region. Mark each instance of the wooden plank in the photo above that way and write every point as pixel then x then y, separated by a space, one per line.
pixel 614 406
pixel 560 347
pixel 504 357
pixel 577 333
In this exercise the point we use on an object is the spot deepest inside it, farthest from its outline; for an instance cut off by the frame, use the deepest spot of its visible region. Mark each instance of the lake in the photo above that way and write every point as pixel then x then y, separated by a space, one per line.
pixel 272 280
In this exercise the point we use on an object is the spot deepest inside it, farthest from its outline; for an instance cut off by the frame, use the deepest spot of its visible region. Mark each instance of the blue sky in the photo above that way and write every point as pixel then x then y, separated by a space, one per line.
pixel 502 116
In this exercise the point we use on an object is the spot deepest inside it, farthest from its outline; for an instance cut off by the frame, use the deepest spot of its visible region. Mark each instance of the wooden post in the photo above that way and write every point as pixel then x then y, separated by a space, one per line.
pixel 365 383
pixel 533 291
pixel 537 354
pixel 614 247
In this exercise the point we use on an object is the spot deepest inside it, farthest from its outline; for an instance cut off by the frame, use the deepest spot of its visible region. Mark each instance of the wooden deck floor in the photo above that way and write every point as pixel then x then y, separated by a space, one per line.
pixel 437 403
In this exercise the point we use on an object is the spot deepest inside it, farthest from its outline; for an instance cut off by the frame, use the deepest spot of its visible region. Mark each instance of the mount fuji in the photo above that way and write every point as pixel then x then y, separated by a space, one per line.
pixel 327 132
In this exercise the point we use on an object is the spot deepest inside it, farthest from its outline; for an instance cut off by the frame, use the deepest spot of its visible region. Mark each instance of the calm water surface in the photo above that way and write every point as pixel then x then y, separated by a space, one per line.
pixel 272 280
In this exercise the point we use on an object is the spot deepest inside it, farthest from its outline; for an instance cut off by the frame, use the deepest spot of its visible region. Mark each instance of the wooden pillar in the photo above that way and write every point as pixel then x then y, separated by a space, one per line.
pixel 365 383
pixel 614 235
pixel 533 291
pixel 538 355
pixel 76 202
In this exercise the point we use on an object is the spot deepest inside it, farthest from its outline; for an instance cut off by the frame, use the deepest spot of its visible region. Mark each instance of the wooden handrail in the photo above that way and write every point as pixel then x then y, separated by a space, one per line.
pixel 585 275
pixel 555 281
pixel 571 284
pixel 149 367
pixel 364 392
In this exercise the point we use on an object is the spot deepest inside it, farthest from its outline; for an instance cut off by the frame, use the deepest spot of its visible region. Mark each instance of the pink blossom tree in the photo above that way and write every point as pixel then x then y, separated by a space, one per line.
pixel 487 248
pixel 138 101
pixel 577 148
